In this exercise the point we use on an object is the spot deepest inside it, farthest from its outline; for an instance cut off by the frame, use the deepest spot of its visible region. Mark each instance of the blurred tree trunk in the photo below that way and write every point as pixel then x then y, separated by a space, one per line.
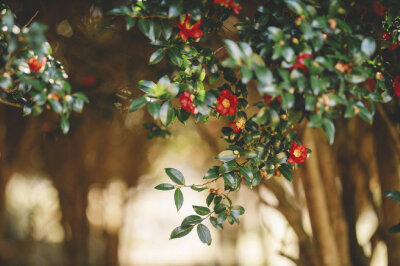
pixel 348 145
pixel 328 167
pixel 388 170
pixel 317 205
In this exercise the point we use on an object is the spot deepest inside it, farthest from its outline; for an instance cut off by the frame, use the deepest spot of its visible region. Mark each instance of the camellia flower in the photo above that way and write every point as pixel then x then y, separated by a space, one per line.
pixel 268 99
pixel 227 103
pixel 235 7
pixel 187 30
pixel 298 153
pixel 35 65
pixel 386 36
pixel 379 9
pixel 239 125
pixel 393 47
pixel 300 62
pixel 370 84
pixel 187 104
pixel 396 85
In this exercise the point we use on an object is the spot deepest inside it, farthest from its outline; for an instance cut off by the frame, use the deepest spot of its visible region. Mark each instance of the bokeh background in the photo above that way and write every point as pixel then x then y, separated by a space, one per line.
pixel 88 198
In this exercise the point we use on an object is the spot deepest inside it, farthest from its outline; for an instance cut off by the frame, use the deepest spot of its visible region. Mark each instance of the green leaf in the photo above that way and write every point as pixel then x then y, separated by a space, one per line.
pixel 165 186
pixel 154 109
pixel 198 189
pixel 191 220
pixel 178 197
pixel 146 86
pixel 175 56
pixel 175 175
pixel 130 22
pixel 297 6
pixel 204 234
pixel 167 113
pixel 233 50
pixel 166 29
pixel 246 73
pixel 368 46
pixel 215 223
pixel 329 128
pixel 157 56
pixel 264 75
pixel 210 198
pixel 175 9
pixel 286 171
pixel 121 10
pixel 56 106
pixel 64 124
pixel 227 167
pixel 230 180
pixel 394 195
pixel 137 104
pixel 226 156
pixel 200 210
pixel 180 231
pixel 212 173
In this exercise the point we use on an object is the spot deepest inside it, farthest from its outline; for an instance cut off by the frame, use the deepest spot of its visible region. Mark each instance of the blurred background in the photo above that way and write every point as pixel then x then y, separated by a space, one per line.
pixel 88 198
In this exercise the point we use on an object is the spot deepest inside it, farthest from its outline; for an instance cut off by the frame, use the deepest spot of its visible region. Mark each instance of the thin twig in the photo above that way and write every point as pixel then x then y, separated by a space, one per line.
pixel 11 104
pixel 31 19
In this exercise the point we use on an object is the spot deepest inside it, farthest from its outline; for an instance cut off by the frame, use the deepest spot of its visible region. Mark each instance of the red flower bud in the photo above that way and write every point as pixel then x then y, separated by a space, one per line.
pixel 268 99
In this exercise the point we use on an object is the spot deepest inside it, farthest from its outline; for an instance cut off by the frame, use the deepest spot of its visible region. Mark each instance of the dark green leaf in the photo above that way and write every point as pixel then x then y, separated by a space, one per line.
pixel 180 231
pixel 191 220
pixel 178 197
pixel 137 104
pixel 175 175
pixel 200 210
pixel 157 56
pixel 286 171
pixel 204 234
pixel 165 186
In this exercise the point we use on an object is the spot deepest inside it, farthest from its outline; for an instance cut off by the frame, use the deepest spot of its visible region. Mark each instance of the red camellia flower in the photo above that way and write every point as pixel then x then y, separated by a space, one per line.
pixel 386 36
pixel 379 9
pixel 268 99
pixel 300 62
pixel 393 47
pixel 396 85
pixel 298 153
pixel 239 125
pixel 187 104
pixel 227 103
pixel 35 65
pixel 370 84
pixel 235 7
pixel 187 30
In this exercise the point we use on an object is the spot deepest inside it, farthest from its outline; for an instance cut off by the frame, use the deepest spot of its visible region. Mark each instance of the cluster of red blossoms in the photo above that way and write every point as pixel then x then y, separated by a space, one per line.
pixel 186 102
pixel 227 103
pixel 235 7
pixel 299 64
pixel 35 65
pixel 298 153
pixel 238 125
pixel 268 99
pixel 396 85
pixel 187 30
pixel 379 9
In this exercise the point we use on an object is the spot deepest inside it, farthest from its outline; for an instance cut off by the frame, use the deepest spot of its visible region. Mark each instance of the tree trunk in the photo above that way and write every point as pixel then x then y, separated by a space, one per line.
pixel 328 167
pixel 318 207
pixel 388 170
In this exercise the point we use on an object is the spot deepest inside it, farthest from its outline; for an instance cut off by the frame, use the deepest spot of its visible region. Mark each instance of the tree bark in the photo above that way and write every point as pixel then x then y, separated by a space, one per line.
pixel 318 207
pixel 328 167
pixel 388 170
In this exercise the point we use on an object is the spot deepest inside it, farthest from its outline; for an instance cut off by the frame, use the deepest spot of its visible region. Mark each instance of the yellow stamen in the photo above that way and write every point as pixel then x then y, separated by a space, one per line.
pixel 240 123
pixel 297 153
pixel 226 103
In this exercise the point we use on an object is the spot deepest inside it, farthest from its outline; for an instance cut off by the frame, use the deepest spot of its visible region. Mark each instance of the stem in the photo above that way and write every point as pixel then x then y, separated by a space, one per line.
pixel 202 185
pixel 10 104
pixel 31 19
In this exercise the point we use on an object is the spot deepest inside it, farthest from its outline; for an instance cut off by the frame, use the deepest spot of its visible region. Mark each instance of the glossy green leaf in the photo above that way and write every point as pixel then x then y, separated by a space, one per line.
pixel 175 175
pixel 165 186
pixel 200 210
pixel 180 231
pixel 178 198
pixel 204 234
